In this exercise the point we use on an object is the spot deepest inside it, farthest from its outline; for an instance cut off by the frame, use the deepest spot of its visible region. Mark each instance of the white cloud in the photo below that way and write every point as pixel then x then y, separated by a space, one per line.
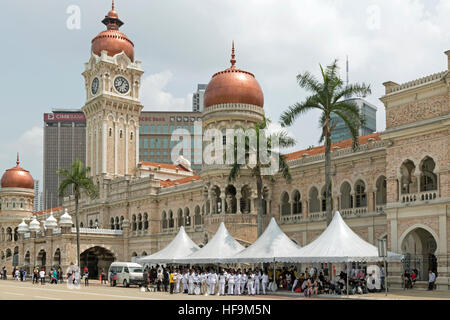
pixel 155 97
pixel 29 145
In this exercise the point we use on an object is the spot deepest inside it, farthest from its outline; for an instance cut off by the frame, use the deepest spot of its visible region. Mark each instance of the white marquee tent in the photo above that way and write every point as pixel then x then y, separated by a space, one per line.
pixel 181 246
pixel 338 244
pixel 221 246
pixel 269 247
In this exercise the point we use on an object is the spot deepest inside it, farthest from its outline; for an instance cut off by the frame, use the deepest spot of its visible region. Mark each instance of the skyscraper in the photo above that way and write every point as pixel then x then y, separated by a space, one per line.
pixel 369 112
pixel 64 142
pixel 197 98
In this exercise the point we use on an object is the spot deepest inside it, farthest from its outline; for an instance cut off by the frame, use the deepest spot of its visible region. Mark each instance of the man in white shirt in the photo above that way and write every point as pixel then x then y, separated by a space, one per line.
pixel 257 281
pixel 237 283
pixel 222 278
pixel 251 284
pixel 230 279
pixel 42 276
pixel 212 282
pixel 191 280
pixel 184 281
pixel 264 281
pixel 431 280
pixel 243 281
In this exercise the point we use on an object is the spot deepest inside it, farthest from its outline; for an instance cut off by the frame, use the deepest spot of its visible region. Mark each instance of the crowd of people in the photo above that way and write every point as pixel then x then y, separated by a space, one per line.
pixel 230 281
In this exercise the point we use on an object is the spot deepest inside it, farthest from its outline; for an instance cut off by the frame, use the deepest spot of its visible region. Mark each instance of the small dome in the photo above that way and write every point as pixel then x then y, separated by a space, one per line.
pixel 65 220
pixel 50 222
pixel 17 178
pixel 35 226
pixel 233 86
pixel 112 40
pixel 23 227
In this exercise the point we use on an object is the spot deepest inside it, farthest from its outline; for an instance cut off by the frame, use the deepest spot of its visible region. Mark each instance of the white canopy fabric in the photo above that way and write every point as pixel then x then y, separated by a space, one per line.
pixel 181 246
pixel 269 247
pixel 221 246
pixel 338 243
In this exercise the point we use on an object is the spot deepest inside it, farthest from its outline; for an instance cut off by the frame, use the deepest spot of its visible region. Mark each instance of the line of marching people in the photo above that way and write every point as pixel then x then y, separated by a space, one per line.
pixel 198 281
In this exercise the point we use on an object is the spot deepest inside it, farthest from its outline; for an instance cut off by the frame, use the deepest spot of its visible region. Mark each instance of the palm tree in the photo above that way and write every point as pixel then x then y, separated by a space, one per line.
pixel 78 178
pixel 284 141
pixel 330 97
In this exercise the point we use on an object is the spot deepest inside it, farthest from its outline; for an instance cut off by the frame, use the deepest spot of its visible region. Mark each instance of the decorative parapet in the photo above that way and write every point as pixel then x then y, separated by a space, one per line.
pixel 99 231
pixel 418 82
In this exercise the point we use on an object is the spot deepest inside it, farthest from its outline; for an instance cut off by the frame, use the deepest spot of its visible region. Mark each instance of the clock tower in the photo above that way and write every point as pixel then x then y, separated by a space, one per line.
pixel 112 109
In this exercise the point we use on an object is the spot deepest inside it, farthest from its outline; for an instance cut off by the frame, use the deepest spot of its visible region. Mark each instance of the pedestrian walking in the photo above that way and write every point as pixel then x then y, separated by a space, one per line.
pixel 431 280
pixel 171 281
pixel 42 276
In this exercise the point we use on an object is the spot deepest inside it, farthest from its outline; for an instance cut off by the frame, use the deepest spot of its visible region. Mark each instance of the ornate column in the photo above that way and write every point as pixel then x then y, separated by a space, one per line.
pixel 352 194
pixel 116 143
pixel 417 175
pixel 104 145
pixel 126 148
pixel 370 201
pixel 126 236
pixel 222 202
pixel 305 208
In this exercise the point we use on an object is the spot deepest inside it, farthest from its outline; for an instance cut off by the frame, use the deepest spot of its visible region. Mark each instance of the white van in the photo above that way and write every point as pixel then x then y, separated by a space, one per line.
pixel 127 273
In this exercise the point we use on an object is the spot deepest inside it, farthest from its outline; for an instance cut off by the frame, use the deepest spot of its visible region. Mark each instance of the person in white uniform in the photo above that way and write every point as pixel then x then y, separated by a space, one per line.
pixel 222 278
pixel 212 282
pixel 185 281
pixel 191 281
pixel 251 284
pixel 237 283
pixel 178 279
pixel 257 282
pixel 244 278
pixel 231 283
pixel 264 281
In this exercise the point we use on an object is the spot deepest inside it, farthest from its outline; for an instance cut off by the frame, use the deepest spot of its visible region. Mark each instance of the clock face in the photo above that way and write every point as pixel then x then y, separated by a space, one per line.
pixel 94 87
pixel 122 85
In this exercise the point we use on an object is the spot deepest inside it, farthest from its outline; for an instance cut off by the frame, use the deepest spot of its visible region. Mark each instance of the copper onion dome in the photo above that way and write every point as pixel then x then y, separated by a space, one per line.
pixel 233 86
pixel 112 40
pixel 17 178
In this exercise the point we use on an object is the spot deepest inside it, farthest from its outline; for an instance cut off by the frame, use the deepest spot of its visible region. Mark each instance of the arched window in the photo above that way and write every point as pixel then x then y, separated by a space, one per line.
pixel 180 218
pixel 131 136
pixel 81 225
pixel 314 203
pixel 171 219
pixel 9 234
pixel 121 222
pixel 2 235
pixel 16 234
pixel 139 221
pixel 297 203
pixel 91 224
pixel 8 253
pixel 134 223
pixel 346 197
pixel 428 179
pixel 121 134
pixel 164 220
pixel 145 221
pixel 112 223
pixel 324 200
pixel 285 206
pixel 117 223
pixel 197 217
pixel 381 191
pixel 408 180
pixel 110 132
pixel 144 254
pixel 187 216
pixel 360 194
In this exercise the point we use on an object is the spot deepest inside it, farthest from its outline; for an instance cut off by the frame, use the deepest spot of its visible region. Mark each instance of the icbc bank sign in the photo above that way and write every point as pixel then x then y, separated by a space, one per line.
pixel 64 117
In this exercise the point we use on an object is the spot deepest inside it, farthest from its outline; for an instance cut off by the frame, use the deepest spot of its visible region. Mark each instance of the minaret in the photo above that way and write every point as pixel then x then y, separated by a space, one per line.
pixel 112 109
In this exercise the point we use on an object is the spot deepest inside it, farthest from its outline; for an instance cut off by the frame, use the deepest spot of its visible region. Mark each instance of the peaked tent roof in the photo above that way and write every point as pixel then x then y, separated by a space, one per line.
pixel 269 247
pixel 221 246
pixel 338 243
pixel 180 247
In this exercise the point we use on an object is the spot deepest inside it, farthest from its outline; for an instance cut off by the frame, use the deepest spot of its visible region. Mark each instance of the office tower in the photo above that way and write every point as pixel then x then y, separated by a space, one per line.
pixel 197 98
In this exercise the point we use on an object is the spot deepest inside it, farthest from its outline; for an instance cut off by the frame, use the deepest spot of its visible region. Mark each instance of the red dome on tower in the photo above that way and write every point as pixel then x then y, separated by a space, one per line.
pixel 233 86
pixel 17 178
pixel 112 40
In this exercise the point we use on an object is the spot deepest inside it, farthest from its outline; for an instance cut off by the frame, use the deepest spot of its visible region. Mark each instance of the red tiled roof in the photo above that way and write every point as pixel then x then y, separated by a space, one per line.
pixel 170 183
pixel 39 213
pixel 163 165
pixel 345 144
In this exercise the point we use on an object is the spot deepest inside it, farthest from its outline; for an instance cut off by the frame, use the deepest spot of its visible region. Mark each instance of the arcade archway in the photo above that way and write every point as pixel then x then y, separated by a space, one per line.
pixel 96 259
pixel 419 248
pixel 41 259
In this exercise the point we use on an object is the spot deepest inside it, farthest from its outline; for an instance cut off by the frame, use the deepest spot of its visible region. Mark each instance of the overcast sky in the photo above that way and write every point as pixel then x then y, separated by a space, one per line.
pixel 183 42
